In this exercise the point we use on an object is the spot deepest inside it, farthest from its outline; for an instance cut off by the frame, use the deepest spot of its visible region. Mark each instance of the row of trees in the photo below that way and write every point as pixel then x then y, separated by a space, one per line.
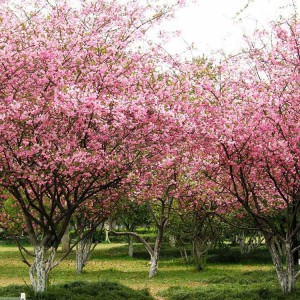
pixel 93 117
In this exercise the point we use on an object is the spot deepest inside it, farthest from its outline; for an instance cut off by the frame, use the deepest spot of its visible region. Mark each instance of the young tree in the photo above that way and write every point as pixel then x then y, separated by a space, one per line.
pixel 163 184
pixel 132 215
pixel 196 228
pixel 156 192
pixel 86 223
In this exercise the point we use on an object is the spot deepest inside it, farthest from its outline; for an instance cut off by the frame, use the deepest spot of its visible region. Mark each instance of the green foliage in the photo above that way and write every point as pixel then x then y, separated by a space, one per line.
pixel 147 234
pixel 11 222
pixel 132 215
pixel 80 291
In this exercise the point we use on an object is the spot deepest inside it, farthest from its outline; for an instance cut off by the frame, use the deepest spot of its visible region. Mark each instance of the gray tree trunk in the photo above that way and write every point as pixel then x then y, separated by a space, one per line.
pixel 156 251
pixel 153 265
pixel 130 246
pixel 184 254
pixel 83 253
pixel 40 268
pixel 65 241
pixel 172 240
pixel 199 251
pixel 286 276
pixel 107 228
pixel 241 239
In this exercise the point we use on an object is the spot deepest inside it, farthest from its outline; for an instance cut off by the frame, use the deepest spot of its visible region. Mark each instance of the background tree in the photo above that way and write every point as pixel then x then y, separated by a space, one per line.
pixel 162 185
pixel 88 223
pixel 252 159
pixel 132 215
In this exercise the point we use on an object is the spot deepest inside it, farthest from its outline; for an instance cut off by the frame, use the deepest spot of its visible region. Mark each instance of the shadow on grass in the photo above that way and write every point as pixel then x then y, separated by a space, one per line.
pixel 233 255
pixel 216 277
pixel 255 292
pixel 227 256
pixel 116 275
pixel 139 253
pixel 210 276
pixel 81 291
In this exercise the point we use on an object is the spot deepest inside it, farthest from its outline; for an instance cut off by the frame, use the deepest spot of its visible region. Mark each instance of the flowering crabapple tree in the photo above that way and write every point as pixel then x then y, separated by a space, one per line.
pixel 253 124
pixel 195 226
pixel 88 224
pixel 85 222
pixel 159 206
pixel 160 188
pixel 79 109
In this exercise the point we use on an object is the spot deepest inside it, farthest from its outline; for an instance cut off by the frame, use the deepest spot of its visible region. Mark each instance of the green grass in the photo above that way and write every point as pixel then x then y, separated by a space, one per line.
pixel 228 275
pixel 253 292
pixel 80 290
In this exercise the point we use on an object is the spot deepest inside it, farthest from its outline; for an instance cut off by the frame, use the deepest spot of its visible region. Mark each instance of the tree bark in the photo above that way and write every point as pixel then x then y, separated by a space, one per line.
pixel 130 246
pixel 156 251
pixel 107 228
pixel 199 251
pixel 295 241
pixel 65 241
pixel 184 254
pixel 153 265
pixel 241 239
pixel 40 268
pixel 83 252
pixel 286 276
pixel 172 241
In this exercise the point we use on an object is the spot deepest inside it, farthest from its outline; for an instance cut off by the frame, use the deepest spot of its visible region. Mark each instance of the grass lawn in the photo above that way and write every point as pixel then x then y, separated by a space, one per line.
pixel 227 275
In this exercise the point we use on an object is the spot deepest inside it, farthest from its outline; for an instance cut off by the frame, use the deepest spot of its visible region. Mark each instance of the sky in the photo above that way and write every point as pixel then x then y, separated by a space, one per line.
pixel 216 24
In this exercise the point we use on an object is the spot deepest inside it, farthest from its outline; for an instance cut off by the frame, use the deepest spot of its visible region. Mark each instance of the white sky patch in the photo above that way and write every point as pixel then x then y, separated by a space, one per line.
pixel 212 25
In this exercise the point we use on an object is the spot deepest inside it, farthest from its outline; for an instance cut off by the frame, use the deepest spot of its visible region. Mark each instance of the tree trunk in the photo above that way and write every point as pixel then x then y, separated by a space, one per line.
pixel 153 265
pixel 156 252
pixel 184 255
pixel 40 268
pixel 290 267
pixel 83 253
pixel 65 241
pixel 107 228
pixel 130 246
pixel 295 241
pixel 199 251
pixel 286 276
pixel 172 240
pixel 241 239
